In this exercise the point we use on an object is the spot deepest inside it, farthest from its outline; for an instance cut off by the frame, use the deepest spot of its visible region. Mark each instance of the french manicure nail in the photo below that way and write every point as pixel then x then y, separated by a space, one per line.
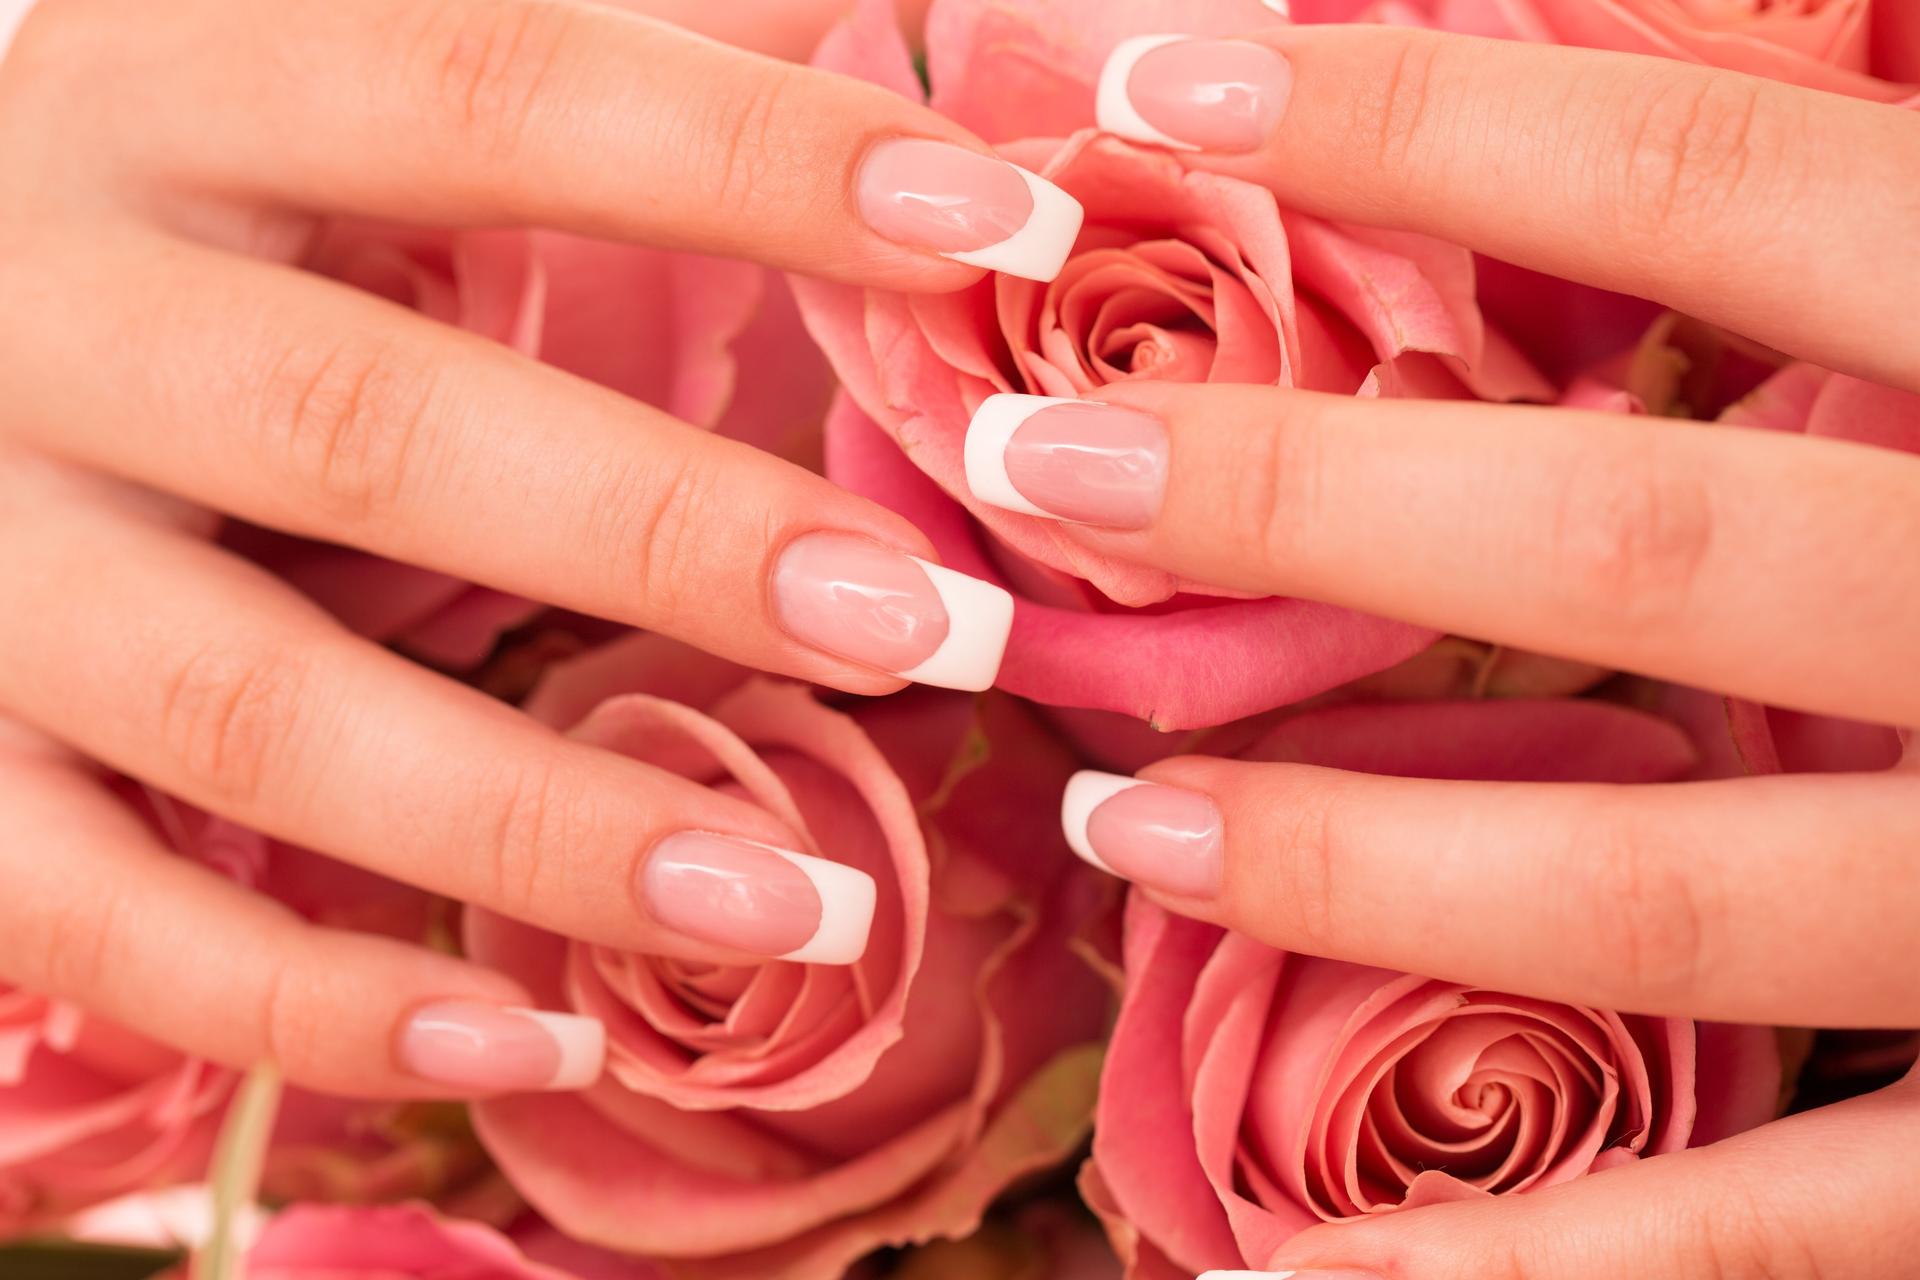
pixel 1165 838
pixel 966 206
pixel 1193 95
pixel 853 597
pixel 1096 464
pixel 501 1049
pixel 756 898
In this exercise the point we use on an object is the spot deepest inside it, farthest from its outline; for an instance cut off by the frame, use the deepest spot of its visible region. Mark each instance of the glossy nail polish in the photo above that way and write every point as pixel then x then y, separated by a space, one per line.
pixel 1165 838
pixel 897 613
pixel 501 1049
pixel 756 898
pixel 970 207
pixel 1073 460
pixel 1192 94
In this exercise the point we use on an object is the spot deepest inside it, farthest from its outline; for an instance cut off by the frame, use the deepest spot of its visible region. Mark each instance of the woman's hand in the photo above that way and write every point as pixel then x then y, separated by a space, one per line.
pixel 163 361
pixel 1775 567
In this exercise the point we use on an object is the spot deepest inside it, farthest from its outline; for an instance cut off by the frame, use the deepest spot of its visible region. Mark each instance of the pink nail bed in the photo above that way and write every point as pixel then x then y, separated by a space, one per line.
pixel 1068 459
pixel 500 1049
pixel 868 603
pixel 753 897
pixel 970 207
pixel 1165 838
pixel 1193 94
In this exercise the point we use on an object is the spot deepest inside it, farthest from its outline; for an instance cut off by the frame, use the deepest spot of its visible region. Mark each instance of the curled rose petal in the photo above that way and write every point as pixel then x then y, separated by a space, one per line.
pixel 1250 1093
pixel 1178 275
pixel 784 1118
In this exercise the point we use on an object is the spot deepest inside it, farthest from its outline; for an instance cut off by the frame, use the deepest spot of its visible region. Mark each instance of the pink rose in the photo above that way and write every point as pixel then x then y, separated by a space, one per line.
pixel 780 1119
pixel 401 1242
pixel 1250 1093
pixel 1856 47
pixel 1177 276
pixel 674 330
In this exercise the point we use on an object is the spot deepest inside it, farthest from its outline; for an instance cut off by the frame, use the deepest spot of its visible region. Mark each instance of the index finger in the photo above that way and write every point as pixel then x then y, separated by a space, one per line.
pixel 1760 206
pixel 544 112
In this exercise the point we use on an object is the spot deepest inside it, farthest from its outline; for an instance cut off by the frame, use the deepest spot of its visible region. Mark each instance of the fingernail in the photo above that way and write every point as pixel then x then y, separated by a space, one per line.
pixel 870 604
pixel 969 207
pixel 1096 464
pixel 499 1049
pixel 753 897
pixel 1193 95
pixel 1164 838
pixel 1288 1275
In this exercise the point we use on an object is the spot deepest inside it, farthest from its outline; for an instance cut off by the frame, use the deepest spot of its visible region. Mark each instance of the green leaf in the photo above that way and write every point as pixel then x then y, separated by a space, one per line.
pixel 53 1260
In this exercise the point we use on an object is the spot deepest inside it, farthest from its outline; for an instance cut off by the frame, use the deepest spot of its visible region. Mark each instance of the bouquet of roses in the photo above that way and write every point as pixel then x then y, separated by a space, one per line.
pixel 1031 1069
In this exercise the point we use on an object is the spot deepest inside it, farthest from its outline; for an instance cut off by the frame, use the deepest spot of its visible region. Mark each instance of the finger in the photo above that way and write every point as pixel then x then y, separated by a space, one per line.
pixel 100 913
pixel 543 112
pixel 1785 900
pixel 1826 1193
pixel 1754 204
pixel 1638 543
pixel 317 409
pixel 219 685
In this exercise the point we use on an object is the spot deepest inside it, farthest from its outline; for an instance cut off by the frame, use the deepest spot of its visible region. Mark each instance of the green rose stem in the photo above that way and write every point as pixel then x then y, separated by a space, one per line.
pixel 235 1178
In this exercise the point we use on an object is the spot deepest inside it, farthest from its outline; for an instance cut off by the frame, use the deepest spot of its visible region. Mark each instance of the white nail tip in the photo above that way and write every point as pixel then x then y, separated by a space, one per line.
pixel 979 619
pixel 1040 248
pixel 583 1047
pixel 1285 9
pixel 988 435
pixel 847 899
pixel 1113 107
pixel 1086 791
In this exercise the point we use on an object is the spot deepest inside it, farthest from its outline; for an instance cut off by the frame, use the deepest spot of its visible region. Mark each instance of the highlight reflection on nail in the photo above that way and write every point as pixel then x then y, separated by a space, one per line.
pixel 1063 459
pixel 897 613
pixel 1165 838
pixel 753 897
pixel 1193 95
pixel 970 207
pixel 502 1049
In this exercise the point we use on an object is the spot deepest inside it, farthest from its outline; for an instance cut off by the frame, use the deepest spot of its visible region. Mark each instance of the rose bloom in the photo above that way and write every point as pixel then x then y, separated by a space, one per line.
pixel 1865 48
pixel 1177 276
pixel 1250 1093
pixel 399 1242
pixel 785 1119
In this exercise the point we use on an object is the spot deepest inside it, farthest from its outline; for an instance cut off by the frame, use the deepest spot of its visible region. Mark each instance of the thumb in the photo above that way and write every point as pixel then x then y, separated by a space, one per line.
pixel 1827 1193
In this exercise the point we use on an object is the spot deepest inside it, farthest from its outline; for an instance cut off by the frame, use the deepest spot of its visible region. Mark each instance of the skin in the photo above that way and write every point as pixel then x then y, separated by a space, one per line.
pixel 271 394
pixel 1771 567
pixel 1797 893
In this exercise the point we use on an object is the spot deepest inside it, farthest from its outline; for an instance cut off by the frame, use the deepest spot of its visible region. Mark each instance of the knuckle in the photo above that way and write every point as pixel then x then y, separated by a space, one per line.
pixel 492 68
pixel 343 422
pixel 1648 915
pixel 743 132
pixel 225 716
pixel 1404 104
pixel 76 944
pixel 1301 868
pixel 651 527
pixel 532 823
pixel 1276 492
pixel 1747 1238
pixel 1630 538
pixel 291 1026
pixel 1696 145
